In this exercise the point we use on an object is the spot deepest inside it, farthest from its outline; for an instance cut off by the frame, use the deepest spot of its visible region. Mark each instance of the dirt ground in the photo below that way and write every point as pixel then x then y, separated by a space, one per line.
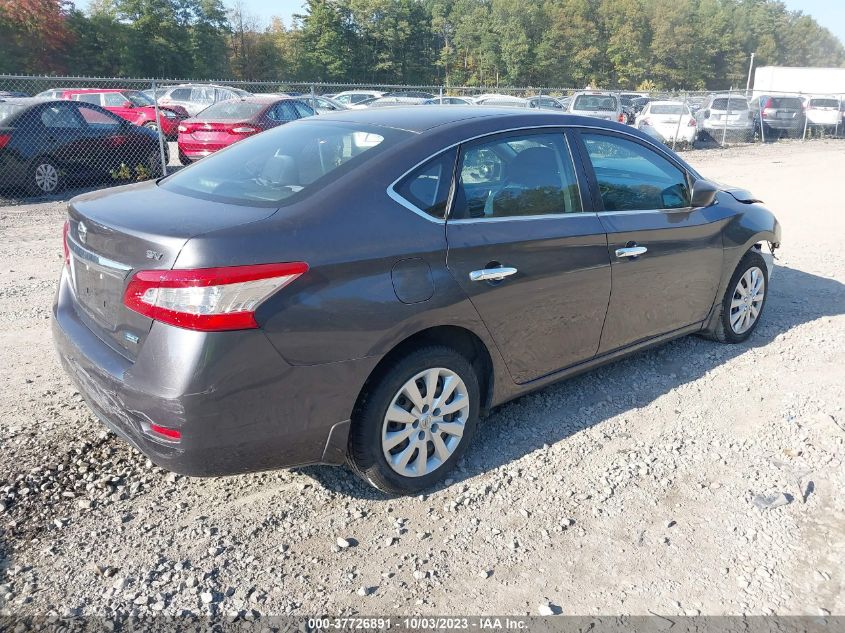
pixel 629 490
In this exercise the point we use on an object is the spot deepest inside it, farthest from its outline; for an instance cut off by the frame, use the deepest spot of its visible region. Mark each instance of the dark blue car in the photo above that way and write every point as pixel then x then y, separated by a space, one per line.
pixel 46 143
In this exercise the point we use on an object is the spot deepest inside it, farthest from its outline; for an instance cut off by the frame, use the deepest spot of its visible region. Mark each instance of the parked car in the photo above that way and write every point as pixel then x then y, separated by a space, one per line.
pixel 412 94
pixel 497 100
pixel 389 101
pixel 725 115
pixel 599 105
pixel 323 104
pixel 639 103
pixel 302 304
pixel 52 93
pixel 12 94
pixel 197 97
pixel 668 121
pixel 823 112
pixel 228 122
pixel 132 105
pixel 355 97
pixel 628 109
pixel 449 101
pixel 779 116
pixel 545 103
pixel 46 143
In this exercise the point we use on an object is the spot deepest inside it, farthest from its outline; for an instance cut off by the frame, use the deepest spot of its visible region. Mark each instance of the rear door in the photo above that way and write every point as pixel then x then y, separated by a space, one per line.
pixel 666 256
pixel 528 251
pixel 108 140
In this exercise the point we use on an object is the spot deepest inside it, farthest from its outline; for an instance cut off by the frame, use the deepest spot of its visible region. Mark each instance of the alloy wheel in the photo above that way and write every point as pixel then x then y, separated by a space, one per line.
pixel 747 300
pixel 424 423
pixel 46 177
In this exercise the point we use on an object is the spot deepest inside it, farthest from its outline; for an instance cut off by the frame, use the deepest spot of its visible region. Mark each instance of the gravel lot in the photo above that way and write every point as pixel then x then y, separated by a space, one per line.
pixel 628 490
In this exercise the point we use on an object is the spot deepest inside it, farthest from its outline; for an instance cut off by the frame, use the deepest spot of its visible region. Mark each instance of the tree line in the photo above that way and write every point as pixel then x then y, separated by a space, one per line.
pixel 645 44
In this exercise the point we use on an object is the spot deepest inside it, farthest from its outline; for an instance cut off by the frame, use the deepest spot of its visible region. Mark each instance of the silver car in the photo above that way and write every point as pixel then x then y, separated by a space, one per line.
pixel 600 105
pixel 197 97
pixel 725 115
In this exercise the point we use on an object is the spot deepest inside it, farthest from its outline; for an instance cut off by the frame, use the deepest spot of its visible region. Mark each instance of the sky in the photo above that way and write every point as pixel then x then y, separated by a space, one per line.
pixel 828 13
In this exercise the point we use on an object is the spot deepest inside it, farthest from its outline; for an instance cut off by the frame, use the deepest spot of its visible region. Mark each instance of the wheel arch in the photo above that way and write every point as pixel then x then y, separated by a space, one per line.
pixel 464 341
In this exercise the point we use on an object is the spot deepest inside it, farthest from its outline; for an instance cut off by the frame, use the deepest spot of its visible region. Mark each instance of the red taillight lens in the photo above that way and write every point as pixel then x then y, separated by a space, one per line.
pixel 622 118
pixel 208 299
pixel 4 140
pixel 171 434
pixel 691 123
pixel 65 230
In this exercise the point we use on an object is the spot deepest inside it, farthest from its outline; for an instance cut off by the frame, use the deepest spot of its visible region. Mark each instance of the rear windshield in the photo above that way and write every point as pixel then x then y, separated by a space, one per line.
pixel 284 164
pixel 824 103
pixel 593 103
pixel 787 103
pixel 668 109
pixel 235 110
pixel 8 111
pixel 736 103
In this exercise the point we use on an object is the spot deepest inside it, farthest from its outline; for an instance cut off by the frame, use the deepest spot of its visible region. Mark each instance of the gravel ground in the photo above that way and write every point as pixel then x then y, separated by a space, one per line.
pixel 695 478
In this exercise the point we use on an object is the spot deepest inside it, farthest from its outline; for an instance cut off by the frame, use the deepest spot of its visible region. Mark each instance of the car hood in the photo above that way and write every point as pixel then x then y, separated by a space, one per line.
pixel 741 195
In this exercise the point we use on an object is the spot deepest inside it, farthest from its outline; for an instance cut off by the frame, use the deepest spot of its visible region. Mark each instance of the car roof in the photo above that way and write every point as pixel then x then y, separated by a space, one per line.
pixel 416 119
pixel 93 90
pixel 31 101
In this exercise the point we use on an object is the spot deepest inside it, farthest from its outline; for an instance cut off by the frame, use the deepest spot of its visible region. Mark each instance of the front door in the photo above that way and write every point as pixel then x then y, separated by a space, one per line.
pixel 666 257
pixel 531 259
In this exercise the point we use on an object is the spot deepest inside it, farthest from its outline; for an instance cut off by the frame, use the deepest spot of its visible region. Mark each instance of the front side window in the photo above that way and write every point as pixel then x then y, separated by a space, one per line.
pixel 113 99
pixel 87 97
pixel 516 175
pixel 427 187
pixel 632 177
pixel 283 165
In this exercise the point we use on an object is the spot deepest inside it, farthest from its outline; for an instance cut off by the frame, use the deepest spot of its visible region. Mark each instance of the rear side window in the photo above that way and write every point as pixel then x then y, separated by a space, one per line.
pixel 284 164
pixel 516 175
pixel 98 119
pixel 302 109
pixel 632 177
pixel 283 111
pixel 427 187
pixel 59 116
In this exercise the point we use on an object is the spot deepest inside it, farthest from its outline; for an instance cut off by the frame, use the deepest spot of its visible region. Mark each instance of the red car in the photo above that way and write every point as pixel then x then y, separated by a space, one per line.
pixel 132 105
pixel 227 122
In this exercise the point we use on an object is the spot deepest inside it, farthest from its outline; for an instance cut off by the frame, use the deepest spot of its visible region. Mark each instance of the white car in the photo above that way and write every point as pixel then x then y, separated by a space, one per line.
pixel 351 98
pixel 501 100
pixel 823 111
pixel 668 121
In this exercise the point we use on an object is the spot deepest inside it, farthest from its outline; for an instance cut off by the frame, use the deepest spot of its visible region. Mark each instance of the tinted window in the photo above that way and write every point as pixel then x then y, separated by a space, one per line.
pixel 302 109
pixel 632 177
pixel 824 103
pixel 59 116
pixel 231 110
pixel 594 103
pixel 286 163
pixel 512 176
pixel 283 111
pixel 787 103
pixel 181 94
pixel 427 187
pixel 98 119
pixel 736 104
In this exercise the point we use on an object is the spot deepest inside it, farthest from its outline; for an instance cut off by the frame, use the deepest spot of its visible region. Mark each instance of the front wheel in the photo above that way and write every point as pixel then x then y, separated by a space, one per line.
pixel 415 421
pixel 744 300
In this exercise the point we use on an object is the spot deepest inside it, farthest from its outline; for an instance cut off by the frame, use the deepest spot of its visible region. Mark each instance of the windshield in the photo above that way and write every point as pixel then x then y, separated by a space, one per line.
pixel 736 103
pixel 824 103
pixel 284 164
pixel 595 102
pixel 668 109
pixel 138 99
pixel 231 110
pixel 8 111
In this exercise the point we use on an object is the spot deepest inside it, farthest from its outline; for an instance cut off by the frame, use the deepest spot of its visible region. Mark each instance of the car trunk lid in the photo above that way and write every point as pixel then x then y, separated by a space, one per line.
pixel 111 235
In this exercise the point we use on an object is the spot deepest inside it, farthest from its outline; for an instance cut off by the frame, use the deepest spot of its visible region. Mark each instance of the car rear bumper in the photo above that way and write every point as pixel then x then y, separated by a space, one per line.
pixel 238 406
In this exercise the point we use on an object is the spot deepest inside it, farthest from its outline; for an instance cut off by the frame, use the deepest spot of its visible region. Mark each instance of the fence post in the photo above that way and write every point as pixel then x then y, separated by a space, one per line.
pixel 727 118
pixel 804 137
pixel 680 116
pixel 313 91
pixel 838 116
pixel 762 127
pixel 160 133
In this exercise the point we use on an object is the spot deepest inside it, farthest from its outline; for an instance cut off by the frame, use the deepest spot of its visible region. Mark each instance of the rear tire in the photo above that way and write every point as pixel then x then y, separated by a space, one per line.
pixel 183 158
pixel 45 176
pixel 742 306
pixel 399 418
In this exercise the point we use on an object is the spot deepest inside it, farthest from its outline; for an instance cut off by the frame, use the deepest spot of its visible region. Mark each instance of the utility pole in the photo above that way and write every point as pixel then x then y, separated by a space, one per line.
pixel 748 83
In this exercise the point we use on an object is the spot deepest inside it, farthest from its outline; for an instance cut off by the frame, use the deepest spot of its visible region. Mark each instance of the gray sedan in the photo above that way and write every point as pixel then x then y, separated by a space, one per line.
pixel 363 287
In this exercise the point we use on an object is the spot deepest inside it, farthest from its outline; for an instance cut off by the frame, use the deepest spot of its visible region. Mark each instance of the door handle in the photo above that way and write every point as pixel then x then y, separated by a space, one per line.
pixel 631 251
pixel 491 274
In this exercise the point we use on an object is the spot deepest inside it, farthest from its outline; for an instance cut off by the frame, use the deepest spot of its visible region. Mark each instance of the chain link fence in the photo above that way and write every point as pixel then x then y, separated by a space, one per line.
pixel 85 132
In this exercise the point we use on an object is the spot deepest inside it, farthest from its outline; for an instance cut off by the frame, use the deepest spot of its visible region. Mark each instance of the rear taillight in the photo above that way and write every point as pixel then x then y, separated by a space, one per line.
pixel 691 123
pixel 622 118
pixel 245 129
pixel 208 299
pixel 65 231
pixel 4 140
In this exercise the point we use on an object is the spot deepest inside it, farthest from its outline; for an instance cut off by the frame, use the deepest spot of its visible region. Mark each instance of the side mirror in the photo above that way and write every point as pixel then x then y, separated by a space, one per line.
pixel 703 193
